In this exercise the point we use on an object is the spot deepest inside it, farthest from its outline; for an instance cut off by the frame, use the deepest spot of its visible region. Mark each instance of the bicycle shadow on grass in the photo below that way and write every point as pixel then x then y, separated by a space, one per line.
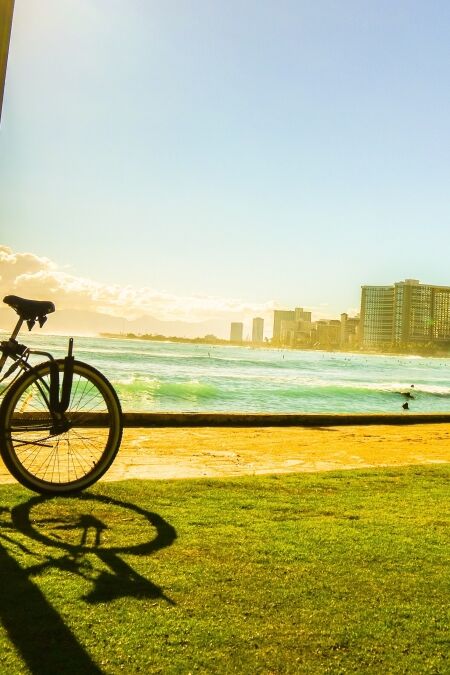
pixel 88 536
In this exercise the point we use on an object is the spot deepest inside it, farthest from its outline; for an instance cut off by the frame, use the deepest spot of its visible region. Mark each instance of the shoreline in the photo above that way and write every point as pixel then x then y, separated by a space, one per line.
pixel 216 452
pixel 202 452
pixel 222 342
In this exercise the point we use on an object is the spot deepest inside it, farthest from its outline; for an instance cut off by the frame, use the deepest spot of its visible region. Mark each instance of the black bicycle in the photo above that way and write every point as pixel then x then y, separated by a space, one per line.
pixel 60 421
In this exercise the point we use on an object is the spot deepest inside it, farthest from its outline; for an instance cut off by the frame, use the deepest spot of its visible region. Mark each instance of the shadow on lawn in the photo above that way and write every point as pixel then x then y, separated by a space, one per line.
pixel 69 541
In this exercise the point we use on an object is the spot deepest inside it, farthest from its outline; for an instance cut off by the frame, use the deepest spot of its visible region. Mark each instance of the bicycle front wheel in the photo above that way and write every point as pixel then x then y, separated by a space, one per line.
pixel 64 455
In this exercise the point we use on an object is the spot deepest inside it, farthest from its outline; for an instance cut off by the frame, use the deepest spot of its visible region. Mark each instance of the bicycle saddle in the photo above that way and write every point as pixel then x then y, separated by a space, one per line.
pixel 30 310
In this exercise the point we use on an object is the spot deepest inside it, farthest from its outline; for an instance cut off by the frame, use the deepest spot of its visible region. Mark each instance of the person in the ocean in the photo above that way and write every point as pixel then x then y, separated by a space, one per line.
pixel 405 406
pixel 409 393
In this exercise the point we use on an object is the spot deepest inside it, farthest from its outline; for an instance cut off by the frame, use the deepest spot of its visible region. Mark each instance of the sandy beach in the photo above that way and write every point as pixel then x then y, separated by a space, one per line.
pixel 207 452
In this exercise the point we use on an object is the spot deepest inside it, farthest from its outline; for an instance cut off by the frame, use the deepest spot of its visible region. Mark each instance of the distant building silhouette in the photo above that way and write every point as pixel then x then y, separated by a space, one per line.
pixel 327 333
pixel 292 328
pixel 349 330
pixel 258 330
pixel 279 316
pixel 236 331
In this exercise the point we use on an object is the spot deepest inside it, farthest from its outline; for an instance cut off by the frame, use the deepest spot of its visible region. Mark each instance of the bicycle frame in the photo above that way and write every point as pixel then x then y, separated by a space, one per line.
pixel 20 353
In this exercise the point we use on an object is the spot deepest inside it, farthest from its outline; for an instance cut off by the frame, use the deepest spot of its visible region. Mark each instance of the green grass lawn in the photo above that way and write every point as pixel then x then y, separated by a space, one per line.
pixel 300 573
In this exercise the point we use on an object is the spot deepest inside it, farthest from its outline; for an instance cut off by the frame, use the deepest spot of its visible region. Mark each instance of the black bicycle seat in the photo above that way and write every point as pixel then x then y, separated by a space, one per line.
pixel 30 310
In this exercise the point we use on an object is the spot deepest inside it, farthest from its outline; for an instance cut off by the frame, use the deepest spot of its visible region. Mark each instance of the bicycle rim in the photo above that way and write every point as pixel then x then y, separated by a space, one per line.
pixel 52 460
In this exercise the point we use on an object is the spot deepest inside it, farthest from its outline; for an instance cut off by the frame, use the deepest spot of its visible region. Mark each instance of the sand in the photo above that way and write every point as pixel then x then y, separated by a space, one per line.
pixel 208 452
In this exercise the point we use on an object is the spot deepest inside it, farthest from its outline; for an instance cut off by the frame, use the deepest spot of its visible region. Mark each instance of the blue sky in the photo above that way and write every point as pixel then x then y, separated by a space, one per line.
pixel 272 152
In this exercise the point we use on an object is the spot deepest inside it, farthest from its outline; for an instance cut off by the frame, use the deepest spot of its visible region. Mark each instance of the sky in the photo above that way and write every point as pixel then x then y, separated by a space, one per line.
pixel 198 159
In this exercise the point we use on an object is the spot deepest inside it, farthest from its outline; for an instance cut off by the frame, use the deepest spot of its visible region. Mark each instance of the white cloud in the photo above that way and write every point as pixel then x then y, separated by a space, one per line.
pixel 28 275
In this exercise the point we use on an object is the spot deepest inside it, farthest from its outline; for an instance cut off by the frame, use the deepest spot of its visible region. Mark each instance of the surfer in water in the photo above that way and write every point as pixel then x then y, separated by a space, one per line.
pixel 409 393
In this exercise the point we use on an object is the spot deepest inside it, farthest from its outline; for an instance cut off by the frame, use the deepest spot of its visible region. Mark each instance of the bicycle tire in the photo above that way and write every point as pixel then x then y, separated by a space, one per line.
pixel 51 461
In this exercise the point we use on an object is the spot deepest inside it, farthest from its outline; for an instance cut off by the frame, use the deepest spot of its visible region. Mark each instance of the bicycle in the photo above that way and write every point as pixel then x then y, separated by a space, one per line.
pixel 60 420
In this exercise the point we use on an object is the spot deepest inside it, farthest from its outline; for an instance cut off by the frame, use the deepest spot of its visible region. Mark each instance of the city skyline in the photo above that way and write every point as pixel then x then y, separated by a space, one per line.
pixel 227 160
pixel 84 307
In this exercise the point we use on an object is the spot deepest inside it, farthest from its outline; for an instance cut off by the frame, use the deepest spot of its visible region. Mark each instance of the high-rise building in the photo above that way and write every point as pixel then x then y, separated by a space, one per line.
pixel 349 330
pixel 406 312
pixel 291 327
pixel 280 315
pixel 377 315
pixel 303 327
pixel 236 331
pixel 287 333
pixel 258 330
pixel 327 333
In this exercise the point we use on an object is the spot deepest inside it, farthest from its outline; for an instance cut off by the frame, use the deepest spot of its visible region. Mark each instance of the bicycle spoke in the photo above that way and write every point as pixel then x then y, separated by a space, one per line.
pixel 51 451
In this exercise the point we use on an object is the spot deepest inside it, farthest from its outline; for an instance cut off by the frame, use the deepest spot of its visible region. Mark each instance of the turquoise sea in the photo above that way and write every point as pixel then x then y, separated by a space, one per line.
pixel 155 376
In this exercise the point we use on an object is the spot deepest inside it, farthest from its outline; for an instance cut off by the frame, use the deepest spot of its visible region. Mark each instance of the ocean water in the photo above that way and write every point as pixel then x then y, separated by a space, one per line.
pixel 155 376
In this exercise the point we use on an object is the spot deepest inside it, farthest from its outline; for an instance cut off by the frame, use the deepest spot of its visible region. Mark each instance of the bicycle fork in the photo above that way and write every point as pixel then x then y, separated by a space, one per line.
pixel 58 406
